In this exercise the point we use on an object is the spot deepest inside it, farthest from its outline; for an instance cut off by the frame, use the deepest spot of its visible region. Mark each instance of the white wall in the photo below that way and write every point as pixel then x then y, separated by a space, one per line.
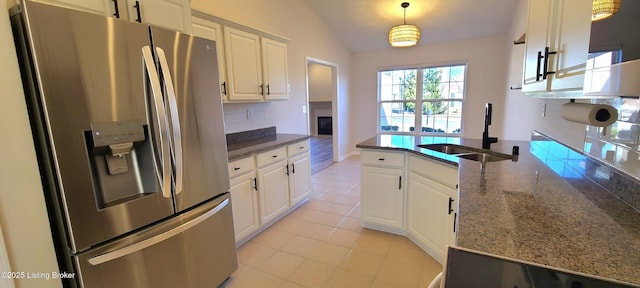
pixel 320 80
pixel 520 111
pixel 486 77
pixel 23 215
pixel 309 37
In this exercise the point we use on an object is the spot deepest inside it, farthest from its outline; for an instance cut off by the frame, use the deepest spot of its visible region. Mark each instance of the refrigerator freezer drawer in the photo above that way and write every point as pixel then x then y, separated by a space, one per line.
pixel 195 249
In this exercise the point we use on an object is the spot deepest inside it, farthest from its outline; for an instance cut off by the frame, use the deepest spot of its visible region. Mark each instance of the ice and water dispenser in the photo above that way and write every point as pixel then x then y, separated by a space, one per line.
pixel 122 162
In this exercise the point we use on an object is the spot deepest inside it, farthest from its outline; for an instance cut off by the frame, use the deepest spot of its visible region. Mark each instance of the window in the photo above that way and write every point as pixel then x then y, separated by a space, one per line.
pixel 424 100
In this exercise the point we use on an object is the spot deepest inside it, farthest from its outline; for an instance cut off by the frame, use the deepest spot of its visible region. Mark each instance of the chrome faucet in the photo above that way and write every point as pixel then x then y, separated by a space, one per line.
pixel 486 140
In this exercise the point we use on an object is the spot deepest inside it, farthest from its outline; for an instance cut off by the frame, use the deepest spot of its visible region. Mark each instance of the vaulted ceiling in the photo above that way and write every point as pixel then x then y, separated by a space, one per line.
pixel 364 24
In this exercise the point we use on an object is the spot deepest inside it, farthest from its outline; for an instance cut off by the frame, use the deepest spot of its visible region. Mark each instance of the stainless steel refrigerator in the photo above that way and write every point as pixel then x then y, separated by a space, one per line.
pixel 128 126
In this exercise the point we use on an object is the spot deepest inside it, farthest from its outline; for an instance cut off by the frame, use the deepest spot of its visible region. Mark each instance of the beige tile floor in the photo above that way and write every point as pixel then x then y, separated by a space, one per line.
pixel 322 244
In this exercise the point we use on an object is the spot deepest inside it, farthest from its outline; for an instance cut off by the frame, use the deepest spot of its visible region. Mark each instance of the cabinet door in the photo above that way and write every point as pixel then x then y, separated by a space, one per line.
pixel 210 30
pixel 274 67
pixel 382 197
pixel 245 205
pixel 571 42
pixel 299 177
pixel 273 189
pixel 562 27
pixel 170 14
pixel 103 7
pixel 431 208
pixel 244 68
pixel 539 19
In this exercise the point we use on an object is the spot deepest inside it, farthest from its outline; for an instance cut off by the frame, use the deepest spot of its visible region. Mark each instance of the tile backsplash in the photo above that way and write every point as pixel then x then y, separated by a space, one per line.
pixel 247 116
pixel 575 163
pixel 619 145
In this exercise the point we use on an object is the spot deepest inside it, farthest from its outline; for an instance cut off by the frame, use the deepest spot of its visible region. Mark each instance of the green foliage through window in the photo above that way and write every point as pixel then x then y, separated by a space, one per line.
pixel 438 91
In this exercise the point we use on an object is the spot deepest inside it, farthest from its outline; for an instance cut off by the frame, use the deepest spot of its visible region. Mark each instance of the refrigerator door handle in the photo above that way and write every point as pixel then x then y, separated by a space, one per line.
pixel 160 120
pixel 112 255
pixel 175 120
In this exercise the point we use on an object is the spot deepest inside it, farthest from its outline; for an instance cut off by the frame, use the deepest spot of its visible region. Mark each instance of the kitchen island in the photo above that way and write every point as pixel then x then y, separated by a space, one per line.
pixel 541 208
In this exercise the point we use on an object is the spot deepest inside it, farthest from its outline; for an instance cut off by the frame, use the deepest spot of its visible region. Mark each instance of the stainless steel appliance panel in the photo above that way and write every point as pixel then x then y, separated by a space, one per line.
pixel 89 70
pixel 194 249
pixel 188 66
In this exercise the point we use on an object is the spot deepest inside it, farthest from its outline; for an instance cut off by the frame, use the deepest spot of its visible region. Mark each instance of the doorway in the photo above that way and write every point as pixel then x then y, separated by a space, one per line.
pixel 322 96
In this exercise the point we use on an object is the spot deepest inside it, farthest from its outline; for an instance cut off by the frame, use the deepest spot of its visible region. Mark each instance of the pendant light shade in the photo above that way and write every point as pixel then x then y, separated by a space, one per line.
pixel 404 35
pixel 604 8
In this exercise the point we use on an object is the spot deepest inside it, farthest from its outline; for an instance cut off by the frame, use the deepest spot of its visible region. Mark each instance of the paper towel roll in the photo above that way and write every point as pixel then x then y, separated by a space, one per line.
pixel 600 115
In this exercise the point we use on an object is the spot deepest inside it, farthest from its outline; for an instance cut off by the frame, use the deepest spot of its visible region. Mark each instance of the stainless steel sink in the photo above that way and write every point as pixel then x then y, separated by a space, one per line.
pixel 484 157
pixel 470 153
pixel 448 148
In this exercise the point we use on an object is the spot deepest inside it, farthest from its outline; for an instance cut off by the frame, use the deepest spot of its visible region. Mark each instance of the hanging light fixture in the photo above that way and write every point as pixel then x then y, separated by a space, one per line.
pixel 604 8
pixel 405 35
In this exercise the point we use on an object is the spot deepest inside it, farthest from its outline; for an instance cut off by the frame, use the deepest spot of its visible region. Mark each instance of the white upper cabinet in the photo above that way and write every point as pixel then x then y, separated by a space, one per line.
pixel 170 14
pixel 274 63
pixel 252 64
pixel 557 45
pixel 244 68
pixel 256 67
pixel 104 7
pixel 206 29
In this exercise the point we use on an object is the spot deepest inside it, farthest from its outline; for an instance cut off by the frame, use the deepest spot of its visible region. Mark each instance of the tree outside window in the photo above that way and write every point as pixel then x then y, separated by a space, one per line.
pixel 442 92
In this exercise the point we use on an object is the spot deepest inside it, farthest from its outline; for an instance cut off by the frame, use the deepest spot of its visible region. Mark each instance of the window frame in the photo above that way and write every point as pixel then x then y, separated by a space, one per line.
pixel 419 99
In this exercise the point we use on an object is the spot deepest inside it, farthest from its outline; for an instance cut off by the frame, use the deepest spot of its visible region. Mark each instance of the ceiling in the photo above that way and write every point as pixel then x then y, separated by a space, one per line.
pixel 364 24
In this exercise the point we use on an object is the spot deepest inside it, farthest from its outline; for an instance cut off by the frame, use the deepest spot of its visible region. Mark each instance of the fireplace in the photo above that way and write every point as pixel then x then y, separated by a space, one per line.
pixel 325 127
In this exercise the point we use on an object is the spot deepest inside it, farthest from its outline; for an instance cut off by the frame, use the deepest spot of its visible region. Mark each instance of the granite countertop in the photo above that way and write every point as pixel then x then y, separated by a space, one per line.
pixel 538 209
pixel 247 148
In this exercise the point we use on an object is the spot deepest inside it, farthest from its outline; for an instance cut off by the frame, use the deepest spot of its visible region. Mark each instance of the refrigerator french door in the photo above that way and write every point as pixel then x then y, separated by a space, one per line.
pixel 128 125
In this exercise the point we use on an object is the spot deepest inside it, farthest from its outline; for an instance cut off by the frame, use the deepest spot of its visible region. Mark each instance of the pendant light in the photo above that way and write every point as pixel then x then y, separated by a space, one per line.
pixel 405 35
pixel 604 8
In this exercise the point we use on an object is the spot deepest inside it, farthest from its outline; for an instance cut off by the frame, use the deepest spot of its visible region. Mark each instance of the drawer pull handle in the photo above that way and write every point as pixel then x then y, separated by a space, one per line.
pixel 301 147
pixel 381 159
pixel 275 156
pixel 236 169
pixel 450 202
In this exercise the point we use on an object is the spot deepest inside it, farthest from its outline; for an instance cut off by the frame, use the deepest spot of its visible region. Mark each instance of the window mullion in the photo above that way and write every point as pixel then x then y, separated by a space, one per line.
pixel 418 104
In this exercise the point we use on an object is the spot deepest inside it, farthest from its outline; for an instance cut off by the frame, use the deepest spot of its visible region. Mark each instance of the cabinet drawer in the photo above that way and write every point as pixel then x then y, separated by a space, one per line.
pixel 271 156
pixel 441 173
pixel 241 166
pixel 382 158
pixel 298 148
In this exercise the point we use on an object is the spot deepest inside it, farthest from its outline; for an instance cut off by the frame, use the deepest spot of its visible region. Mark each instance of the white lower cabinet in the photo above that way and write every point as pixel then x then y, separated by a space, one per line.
pixel 299 178
pixel 267 186
pixel 382 191
pixel 300 174
pixel 273 188
pixel 432 205
pixel 430 214
pixel 425 211
pixel 244 200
